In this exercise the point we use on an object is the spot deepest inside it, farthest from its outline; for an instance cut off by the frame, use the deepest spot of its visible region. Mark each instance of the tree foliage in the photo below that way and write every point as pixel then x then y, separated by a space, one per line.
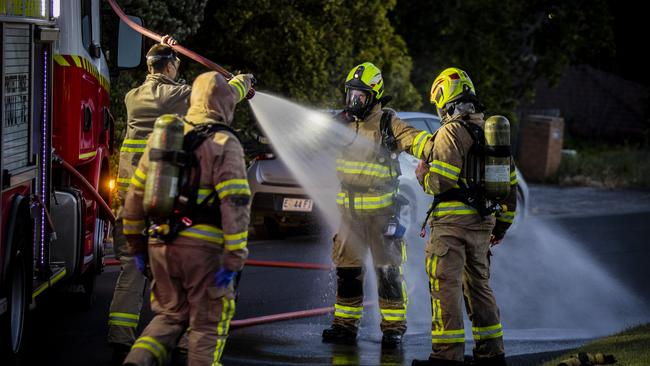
pixel 504 45
pixel 304 49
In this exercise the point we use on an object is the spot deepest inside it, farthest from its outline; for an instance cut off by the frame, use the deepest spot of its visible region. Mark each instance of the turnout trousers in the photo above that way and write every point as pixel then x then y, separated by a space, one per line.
pixel 184 293
pixel 124 313
pixel 357 235
pixel 458 266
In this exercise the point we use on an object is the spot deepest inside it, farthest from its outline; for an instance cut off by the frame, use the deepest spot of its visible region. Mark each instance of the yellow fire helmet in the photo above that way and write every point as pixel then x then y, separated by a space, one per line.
pixel 364 86
pixel 450 85
pixel 366 76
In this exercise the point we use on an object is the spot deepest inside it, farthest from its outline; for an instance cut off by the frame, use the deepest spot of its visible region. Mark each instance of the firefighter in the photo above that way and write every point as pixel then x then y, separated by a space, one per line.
pixel 192 273
pixel 368 170
pixel 462 229
pixel 159 94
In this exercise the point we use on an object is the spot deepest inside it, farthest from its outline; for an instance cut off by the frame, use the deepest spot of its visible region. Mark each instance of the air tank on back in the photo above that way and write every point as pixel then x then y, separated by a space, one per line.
pixel 497 157
pixel 161 186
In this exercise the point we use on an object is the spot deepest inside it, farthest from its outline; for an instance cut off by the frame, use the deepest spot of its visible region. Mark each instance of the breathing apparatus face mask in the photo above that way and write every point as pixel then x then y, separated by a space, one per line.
pixel 358 102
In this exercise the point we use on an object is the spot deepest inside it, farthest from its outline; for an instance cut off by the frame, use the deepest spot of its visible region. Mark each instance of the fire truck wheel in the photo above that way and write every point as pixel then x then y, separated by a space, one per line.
pixel 18 298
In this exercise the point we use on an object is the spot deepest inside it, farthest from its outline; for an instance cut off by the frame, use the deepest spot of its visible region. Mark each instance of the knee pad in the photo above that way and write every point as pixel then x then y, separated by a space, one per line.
pixel 389 282
pixel 350 281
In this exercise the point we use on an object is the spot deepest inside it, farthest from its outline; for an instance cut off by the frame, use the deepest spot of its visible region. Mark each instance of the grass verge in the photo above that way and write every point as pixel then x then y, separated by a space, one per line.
pixel 630 347
pixel 606 167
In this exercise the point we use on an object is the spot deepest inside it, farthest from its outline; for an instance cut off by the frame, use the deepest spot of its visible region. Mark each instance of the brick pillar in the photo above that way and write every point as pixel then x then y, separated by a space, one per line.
pixel 540 146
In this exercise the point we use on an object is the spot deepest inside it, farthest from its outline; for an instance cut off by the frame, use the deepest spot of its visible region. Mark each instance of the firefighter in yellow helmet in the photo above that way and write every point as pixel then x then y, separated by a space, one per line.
pixel 194 262
pixel 160 93
pixel 368 170
pixel 464 225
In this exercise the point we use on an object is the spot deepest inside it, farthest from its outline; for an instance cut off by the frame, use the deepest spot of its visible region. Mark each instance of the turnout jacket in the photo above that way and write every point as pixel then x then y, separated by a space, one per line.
pixel 448 164
pixel 365 169
pixel 223 169
pixel 157 95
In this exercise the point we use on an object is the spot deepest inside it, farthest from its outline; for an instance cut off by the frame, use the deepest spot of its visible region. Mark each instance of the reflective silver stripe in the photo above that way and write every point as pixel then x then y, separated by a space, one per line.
pixel 493 331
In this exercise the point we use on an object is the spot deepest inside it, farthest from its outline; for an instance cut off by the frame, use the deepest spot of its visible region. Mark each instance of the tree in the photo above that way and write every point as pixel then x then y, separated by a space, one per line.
pixel 304 50
pixel 504 45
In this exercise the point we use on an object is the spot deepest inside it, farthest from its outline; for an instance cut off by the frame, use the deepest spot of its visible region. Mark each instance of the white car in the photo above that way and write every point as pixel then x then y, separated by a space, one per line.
pixel 278 201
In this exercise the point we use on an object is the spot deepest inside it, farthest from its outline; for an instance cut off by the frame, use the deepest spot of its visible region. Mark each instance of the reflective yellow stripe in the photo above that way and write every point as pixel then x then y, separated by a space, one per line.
pixel 513 178
pixel 77 60
pixel 507 216
pixel 492 331
pixel 61 61
pixel 123 184
pixel 431 268
pixel 427 188
pixel 393 314
pixel 419 142
pixel 203 194
pixel 125 315
pixel 139 178
pixel 233 187
pixel 365 202
pixel 133 146
pixel 448 336
pixel 153 346
pixel 362 167
pixel 445 169
pixel 123 319
pixel 132 227
pixel 236 241
pixel 348 312
pixel 240 88
pixel 204 232
pixel 453 208
pixel 88 155
pixel 227 313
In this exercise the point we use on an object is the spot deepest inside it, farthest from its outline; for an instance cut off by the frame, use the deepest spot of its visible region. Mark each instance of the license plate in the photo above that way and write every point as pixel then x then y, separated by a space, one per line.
pixel 297 204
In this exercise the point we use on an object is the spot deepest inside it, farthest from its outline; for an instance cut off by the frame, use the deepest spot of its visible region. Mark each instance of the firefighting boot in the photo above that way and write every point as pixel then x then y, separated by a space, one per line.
pixel 339 335
pixel 437 362
pixel 391 339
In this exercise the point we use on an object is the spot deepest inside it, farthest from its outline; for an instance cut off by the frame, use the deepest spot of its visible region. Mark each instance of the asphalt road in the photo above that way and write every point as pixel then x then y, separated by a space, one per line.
pixel 560 281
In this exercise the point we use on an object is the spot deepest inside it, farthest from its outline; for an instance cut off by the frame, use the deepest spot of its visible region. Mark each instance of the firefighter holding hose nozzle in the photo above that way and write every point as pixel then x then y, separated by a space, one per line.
pixel 160 93
pixel 190 195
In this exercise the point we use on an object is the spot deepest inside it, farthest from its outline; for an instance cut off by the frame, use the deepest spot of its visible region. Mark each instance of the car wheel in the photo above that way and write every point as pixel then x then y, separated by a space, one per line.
pixel 13 339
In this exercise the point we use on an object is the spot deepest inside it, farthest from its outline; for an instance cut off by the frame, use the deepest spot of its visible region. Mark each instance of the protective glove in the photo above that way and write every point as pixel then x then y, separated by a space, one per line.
pixel 223 277
pixel 141 262
pixel 421 171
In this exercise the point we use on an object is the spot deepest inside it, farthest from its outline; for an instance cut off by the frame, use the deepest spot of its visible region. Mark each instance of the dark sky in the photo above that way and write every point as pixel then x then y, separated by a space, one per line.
pixel 631 33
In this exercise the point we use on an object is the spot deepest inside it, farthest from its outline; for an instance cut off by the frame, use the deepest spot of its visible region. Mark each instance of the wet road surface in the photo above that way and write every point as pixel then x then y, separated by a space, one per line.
pixel 62 335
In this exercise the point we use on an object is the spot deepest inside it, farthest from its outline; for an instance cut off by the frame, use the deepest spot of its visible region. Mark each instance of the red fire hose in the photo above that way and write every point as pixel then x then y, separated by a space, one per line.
pixel 242 323
pixel 89 187
pixel 156 37
pixel 258 263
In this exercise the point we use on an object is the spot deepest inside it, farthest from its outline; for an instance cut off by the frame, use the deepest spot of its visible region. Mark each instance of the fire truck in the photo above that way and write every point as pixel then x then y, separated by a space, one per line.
pixel 56 139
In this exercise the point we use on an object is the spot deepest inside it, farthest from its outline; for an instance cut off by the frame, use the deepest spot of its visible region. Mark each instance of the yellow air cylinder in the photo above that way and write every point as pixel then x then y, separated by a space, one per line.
pixel 497 157
pixel 163 172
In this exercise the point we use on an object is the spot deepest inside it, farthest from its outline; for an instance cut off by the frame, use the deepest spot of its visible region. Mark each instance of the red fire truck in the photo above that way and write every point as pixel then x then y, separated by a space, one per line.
pixel 56 137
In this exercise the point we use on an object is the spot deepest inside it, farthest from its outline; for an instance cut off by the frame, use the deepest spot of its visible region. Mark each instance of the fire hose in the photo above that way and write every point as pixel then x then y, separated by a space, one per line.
pixel 88 187
pixel 189 53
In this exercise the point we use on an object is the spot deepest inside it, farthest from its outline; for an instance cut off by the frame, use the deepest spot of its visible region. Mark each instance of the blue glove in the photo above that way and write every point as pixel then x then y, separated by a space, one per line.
pixel 140 262
pixel 224 277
